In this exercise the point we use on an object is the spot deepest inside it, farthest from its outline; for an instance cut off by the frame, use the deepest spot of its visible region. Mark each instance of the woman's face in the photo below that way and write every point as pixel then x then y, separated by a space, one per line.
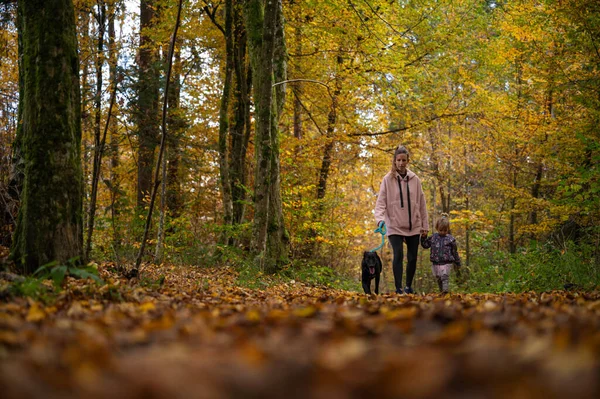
pixel 401 162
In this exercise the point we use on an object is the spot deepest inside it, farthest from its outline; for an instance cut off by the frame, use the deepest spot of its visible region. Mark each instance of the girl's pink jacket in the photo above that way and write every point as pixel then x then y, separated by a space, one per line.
pixel 395 209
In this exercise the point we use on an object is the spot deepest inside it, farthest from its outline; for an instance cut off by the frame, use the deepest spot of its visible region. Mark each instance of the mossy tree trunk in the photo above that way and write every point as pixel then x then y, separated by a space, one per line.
pixel 49 225
pixel 264 23
pixel 148 93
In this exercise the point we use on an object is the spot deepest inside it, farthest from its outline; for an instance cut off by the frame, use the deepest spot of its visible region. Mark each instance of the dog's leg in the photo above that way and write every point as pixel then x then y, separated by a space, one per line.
pixel 366 281
pixel 366 287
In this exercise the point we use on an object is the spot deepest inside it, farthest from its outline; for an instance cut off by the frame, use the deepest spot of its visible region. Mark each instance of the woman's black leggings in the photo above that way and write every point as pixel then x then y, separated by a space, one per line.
pixel 412 246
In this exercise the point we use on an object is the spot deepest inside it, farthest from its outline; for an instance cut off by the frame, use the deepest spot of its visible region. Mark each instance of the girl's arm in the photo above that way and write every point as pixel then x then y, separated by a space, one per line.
pixel 426 242
pixel 455 253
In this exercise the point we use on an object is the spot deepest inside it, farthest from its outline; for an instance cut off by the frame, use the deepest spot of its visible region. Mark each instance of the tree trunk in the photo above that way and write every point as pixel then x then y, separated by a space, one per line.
pixel 278 239
pixel 241 113
pixel 160 238
pixel 86 98
pixel 113 130
pixel 224 125
pixel 176 125
pixel 97 129
pixel 266 40
pixel 326 160
pixel 148 93
pixel 49 225
pixel 512 244
pixel 297 88
pixel 163 140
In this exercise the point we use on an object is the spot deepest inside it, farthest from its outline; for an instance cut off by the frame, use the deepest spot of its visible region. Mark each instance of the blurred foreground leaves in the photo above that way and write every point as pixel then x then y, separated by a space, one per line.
pixel 192 333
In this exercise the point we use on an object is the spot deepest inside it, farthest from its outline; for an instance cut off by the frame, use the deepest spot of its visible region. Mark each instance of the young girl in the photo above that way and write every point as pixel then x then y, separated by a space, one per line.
pixel 444 252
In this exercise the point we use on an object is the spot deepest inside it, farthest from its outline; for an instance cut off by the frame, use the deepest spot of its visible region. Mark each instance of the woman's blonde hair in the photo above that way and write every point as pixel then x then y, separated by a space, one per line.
pixel 399 150
pixel 443 223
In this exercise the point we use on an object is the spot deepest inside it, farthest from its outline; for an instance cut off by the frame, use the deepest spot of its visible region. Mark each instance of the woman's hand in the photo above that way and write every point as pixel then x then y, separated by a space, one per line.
pixel 424 233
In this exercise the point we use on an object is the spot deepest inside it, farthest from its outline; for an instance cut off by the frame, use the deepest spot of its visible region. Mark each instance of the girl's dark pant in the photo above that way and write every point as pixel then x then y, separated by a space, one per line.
pixel 412 246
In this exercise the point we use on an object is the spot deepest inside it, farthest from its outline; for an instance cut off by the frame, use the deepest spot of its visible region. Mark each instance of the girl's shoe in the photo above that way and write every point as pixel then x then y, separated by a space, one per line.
pixel 408 290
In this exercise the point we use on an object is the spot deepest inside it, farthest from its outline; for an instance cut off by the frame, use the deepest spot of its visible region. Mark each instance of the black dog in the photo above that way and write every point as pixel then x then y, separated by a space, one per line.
pixel 371 268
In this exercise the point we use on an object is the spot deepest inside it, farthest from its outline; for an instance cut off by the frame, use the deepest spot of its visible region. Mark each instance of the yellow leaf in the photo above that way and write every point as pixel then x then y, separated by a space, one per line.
pixel 36 313
pixel 253 315
pixel 307 311
pixel 147 306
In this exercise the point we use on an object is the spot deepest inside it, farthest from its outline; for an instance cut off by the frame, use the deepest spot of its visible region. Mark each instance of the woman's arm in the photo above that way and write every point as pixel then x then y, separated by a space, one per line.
pixel 380 205
pixel 423 209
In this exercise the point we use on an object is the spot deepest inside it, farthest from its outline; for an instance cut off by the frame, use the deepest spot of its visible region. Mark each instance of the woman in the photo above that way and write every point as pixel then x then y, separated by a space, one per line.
pixel 401 206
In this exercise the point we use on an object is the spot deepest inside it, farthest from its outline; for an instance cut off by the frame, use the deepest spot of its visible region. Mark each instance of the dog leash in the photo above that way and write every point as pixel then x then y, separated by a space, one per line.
pixel 382 230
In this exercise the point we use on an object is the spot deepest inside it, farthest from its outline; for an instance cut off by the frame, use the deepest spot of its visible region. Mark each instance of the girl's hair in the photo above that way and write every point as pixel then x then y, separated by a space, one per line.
pixel 399 150
pixel 443 223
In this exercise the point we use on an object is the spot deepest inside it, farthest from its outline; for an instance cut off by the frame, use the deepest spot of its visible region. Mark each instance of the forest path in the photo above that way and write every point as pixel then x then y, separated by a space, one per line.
pixel 198 335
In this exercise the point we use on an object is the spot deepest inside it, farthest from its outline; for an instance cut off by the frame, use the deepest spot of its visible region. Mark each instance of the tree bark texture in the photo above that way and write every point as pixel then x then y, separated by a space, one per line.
pixel 224 124
pixel 265 30
pixel 148 93
pixel 49 225
pixel 176 125
pixel 113 131
pixel 98 145
pixel 240 131
pixel 277 235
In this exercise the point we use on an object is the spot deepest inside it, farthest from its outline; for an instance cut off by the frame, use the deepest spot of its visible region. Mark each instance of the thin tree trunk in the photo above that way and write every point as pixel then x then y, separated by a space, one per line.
pixel 511 228
pixel 224 125
pixel 113 130
pixel 138 261
pixel 49 225
pixel 297 88
pixel 158 255
pixel 326 160
pixel 97 159
pixel 175 124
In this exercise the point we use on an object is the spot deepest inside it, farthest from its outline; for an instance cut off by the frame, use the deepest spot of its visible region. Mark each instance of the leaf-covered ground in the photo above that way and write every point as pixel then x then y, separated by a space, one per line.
pixel 198 335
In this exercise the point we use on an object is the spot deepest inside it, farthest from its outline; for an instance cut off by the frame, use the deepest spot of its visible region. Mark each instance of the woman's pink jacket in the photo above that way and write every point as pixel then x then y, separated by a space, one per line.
pixel 395 210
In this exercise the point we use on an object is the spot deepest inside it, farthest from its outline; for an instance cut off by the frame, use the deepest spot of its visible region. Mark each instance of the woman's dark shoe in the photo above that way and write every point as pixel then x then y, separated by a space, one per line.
pixel 408 290
pixel 399 292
